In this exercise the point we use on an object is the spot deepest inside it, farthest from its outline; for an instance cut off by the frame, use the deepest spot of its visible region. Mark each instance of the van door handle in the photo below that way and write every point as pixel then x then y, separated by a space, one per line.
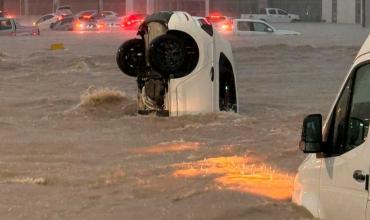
pixel 359 176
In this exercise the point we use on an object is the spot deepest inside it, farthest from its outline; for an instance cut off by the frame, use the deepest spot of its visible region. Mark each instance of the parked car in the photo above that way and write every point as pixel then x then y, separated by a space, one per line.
pixel 257 27
pixel 181 66
pixel 109 15
pixel 64 24
pixel 133 21
pixel 89 20
pixel 110 19
pixel 220 22
pixel 273 15
pixel 64 10
pixel 333 181
pixel 46 21
pixel 9 27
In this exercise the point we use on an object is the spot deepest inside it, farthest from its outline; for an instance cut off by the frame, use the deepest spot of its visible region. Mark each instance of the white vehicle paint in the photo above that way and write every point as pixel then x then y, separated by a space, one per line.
pixel 257 27
pixel 333 181
pixel 44 22
pixel 179 81
pixel 273 15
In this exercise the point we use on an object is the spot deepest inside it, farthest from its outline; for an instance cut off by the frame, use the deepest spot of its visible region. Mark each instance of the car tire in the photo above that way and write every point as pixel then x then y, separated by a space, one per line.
pixel 167 55
pixel 131 57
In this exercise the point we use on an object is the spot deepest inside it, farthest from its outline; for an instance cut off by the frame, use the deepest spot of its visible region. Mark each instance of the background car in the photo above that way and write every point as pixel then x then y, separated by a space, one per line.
pixel 273 15
pixel 89 20
pixel 109 14
pixel 64 24
pixel 133 21
pixel 9 26
pixel 258 27
pixel 220 22
pixel 64 10
pixel 46 21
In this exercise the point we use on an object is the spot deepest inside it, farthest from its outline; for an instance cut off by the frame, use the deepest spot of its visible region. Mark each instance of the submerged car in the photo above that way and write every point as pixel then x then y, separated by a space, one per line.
pixel 64 24
pixel 333 181
pixel 46 21
pixel 10 27
pixel 258 27
pixel 88 21
pixel 181 65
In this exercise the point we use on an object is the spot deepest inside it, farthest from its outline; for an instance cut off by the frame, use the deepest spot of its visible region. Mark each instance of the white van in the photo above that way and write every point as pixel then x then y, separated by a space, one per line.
pixel 333 181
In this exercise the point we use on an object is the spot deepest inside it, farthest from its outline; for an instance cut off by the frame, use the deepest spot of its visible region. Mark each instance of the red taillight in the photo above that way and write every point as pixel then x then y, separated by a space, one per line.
pixel 101 25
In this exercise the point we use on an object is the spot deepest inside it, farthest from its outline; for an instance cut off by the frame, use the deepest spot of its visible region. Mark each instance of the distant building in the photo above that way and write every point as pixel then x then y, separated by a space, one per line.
pixel 343 11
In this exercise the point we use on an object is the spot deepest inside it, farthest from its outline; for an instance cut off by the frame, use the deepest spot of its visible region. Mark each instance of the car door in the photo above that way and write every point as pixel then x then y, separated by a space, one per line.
pixel 272 15
pixel 345 168
pixel 283 16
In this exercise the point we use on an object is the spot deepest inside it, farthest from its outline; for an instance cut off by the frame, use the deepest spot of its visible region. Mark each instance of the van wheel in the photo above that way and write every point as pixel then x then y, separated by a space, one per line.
pixel 130 57
pixel 167 55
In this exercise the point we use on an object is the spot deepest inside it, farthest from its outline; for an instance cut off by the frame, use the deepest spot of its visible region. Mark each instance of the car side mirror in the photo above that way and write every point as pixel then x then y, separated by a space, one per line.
pixel 269 30
pixel 311 140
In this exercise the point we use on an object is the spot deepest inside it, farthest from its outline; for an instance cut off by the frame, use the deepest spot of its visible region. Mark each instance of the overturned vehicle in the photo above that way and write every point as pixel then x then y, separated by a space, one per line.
pixel 182 66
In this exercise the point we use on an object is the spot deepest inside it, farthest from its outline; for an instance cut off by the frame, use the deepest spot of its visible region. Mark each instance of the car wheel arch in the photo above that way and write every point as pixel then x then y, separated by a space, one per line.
pixel 227 80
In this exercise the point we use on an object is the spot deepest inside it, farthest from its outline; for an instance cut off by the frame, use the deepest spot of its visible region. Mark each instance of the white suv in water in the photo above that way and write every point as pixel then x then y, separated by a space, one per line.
pixel 333 181
pixel 181 65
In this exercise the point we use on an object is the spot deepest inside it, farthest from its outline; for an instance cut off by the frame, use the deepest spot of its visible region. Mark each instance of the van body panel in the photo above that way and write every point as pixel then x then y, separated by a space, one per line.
pixel 307 185
pixel 341 196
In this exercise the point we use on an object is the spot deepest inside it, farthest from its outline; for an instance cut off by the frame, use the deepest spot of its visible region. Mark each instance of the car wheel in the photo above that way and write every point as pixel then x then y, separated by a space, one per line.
pixel 130 57
pixel 167 55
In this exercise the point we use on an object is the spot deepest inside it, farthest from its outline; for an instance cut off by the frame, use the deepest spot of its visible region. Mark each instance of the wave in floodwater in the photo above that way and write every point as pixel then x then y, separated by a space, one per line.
pixel 104 102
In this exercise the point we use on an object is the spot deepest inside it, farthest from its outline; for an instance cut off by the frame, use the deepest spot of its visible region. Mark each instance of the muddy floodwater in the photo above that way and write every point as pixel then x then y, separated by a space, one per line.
pixel 72 146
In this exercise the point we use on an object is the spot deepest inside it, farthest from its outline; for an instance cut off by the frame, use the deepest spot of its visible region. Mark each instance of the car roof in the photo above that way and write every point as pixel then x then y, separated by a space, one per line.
pixel 248 19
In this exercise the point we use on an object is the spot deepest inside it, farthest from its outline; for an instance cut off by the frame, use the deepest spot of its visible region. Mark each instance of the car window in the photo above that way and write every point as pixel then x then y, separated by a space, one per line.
pixel 66 20
pixel 261 27
pixel 349 123
pixel 244 26
pixel 5 25
pixel 272 11
pixel 281 12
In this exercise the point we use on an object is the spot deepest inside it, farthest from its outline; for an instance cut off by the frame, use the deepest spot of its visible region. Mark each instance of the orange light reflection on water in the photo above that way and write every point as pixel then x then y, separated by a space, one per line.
pixel 243 174
pixel 178 146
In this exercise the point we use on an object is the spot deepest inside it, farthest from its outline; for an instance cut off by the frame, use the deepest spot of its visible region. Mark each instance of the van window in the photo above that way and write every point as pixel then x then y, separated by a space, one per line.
pixel 349 123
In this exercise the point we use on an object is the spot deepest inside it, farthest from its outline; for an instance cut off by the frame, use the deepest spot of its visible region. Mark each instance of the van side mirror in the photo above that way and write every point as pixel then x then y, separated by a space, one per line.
pixel 311 140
